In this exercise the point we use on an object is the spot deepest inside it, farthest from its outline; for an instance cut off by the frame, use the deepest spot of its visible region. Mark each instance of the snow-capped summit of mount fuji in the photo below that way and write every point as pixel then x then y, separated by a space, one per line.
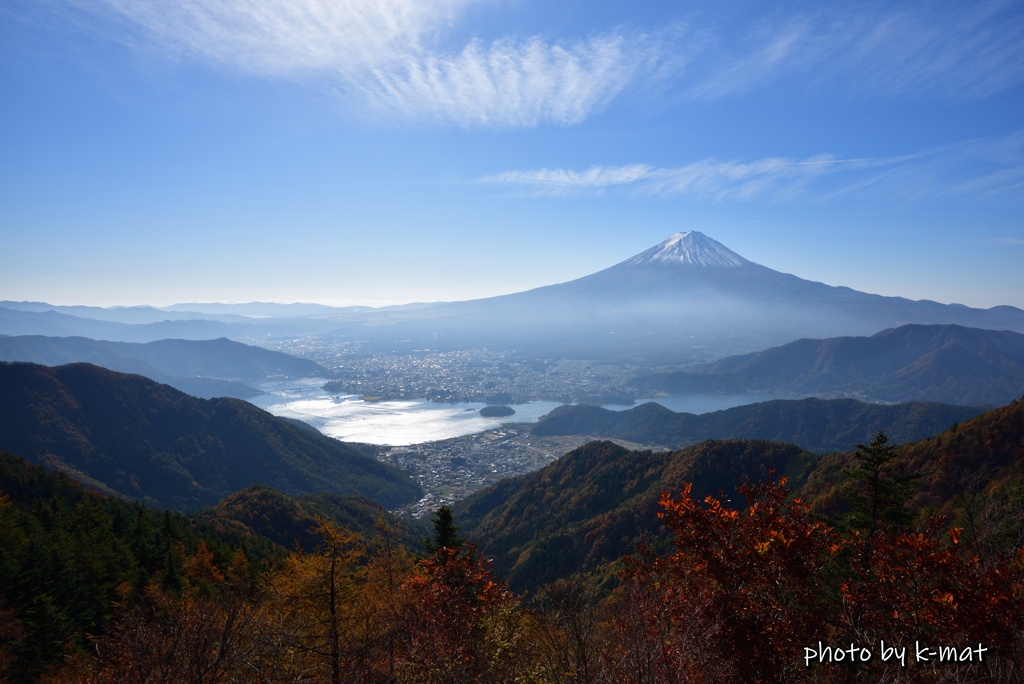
pixel 690 249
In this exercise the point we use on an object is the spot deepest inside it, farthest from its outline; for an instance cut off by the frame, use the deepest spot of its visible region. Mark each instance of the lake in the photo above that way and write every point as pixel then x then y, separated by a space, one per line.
pixel 412 421
pixel 397 423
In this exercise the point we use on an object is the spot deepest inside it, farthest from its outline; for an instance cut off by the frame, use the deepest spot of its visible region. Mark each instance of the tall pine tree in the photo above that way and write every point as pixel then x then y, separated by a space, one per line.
pixel 879 492
pixel 446 534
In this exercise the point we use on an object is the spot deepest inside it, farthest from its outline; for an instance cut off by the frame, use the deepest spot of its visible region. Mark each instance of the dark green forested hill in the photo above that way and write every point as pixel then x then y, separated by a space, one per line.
pixel 128 435
pixel 71 558
pixel 599 501
pixel 817 425
pixel 291 521
pixel 945 363
pixel 990 444
pixel 975 467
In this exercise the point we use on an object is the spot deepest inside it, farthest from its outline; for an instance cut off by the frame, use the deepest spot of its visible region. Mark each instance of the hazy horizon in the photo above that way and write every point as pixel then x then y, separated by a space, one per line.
pixel 377 153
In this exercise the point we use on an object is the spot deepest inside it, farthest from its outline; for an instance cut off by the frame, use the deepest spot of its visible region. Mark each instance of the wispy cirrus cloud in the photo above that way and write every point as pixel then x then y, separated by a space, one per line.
pixel 774 177
pixel 564 181
pixel 395 59
pixel 388 57
pixel 512 83
pixel 952 49
pixel 285 37
pixel 709 179
pixel 983 169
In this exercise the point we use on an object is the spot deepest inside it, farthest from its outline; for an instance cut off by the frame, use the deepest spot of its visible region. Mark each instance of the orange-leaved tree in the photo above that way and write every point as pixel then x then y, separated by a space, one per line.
pixel 926 591
pixel 740 596
pixel 460 622
pixel 747 592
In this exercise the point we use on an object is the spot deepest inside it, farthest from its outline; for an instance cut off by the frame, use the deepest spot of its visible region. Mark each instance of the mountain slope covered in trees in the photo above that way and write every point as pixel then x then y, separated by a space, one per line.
pixel 131 436
pixel 599 501
pixel 291 521
pixel 818 425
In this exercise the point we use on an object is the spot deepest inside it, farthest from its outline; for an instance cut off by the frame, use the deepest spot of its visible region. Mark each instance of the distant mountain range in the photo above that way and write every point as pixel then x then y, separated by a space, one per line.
pixel 687 298
pixel 817 425
pixel 203 368
pixel 144 324
pixel 944 363
pixel 128 435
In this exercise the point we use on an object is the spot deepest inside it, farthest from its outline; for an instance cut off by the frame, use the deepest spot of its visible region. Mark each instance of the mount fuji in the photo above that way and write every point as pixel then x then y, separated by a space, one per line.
pixel 682 299
pixel 689 298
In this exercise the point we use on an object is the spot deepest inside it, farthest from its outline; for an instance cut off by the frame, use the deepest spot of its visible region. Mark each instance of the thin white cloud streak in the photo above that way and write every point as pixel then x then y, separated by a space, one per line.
pixel 780 178
pixel 986 168
pixel 563 181
pixel 708 179
pixel 975 170
pixel 731 74
pixel 980 170
pixel 384 56
pixel 952 49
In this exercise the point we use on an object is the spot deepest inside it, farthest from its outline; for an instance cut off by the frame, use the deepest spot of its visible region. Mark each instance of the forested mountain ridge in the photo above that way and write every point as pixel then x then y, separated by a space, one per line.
pixel 291 521
pixel 204 368
pixel 69 556
pixel 818 425
pixel 128 435
pixel 600 501
pixel 972 466
pixel 942 363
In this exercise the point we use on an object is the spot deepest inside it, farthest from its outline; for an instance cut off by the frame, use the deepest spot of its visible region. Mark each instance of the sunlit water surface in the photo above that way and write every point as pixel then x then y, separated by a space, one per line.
pixel 400 423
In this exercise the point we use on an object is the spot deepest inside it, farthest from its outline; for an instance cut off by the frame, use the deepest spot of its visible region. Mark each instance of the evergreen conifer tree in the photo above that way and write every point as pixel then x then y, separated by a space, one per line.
pixel 879 493
pixel 446 534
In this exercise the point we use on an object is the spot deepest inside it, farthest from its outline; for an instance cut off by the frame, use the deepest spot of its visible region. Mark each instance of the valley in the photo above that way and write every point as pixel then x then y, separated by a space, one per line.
pixel 464 376
pixel 452 469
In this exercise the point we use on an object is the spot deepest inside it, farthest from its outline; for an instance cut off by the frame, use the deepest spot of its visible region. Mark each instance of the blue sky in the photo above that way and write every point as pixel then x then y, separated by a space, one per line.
pixel 384 151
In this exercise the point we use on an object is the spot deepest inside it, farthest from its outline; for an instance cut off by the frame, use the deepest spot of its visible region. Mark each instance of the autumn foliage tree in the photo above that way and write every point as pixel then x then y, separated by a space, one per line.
pixel 461 623
pixel 314 614
pixel 740 595
pixel 746 591
pixel 926 588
